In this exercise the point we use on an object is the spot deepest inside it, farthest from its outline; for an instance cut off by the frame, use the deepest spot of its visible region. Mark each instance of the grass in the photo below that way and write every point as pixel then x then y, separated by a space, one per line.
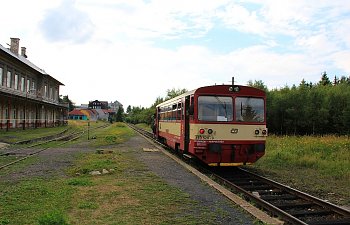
pixel 320 165
pixel 13 136
pixel 27 201
pixel 129 194
pixel 123 197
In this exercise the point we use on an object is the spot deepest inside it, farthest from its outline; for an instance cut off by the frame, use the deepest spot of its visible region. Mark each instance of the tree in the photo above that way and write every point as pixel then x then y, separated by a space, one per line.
pixel 128 109
pixel 174 92
pixel 257 84
pixel 325 80
pixel 120 114
pixel 65 99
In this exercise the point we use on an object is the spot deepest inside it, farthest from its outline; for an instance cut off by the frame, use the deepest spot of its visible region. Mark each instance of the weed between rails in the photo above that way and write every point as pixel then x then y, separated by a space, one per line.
pixel 315 164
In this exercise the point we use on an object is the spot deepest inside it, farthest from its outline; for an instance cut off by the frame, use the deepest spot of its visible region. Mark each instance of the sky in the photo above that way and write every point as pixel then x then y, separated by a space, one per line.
pixel 133 51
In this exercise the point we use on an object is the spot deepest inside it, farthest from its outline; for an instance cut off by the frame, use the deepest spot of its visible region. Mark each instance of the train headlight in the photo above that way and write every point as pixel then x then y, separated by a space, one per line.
pixel 210 131
pixel 201 131
pixel 234 89
pixel 256 132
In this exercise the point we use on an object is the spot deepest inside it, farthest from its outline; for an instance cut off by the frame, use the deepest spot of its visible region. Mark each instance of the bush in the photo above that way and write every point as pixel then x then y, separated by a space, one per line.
pixel 53 218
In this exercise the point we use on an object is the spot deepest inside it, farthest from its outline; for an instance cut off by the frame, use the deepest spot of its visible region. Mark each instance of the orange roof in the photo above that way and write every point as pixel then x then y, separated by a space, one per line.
pixel 76 112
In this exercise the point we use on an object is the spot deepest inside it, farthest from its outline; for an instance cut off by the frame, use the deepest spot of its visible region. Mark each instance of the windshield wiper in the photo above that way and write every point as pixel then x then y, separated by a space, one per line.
pixel 223 105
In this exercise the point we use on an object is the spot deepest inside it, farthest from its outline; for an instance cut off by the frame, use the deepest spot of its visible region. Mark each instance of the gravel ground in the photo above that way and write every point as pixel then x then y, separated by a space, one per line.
pixel 55 161
pixel 52 162
pixel 175 175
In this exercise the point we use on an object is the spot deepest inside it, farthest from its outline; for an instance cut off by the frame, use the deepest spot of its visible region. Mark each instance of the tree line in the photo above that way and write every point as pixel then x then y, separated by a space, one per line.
pixel 138 114
pixel 307 109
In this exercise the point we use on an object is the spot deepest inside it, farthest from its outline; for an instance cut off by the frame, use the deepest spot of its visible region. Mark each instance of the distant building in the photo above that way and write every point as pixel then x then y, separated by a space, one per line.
pixel 77 115
pixel 115 105
pixel 83 114
pixel 98 104
pixel 29 97
pixel 84 106
pixel 96 110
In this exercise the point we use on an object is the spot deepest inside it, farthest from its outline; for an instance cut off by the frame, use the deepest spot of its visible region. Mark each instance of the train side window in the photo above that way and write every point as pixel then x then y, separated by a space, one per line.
pixel 173 112
pixel 178 112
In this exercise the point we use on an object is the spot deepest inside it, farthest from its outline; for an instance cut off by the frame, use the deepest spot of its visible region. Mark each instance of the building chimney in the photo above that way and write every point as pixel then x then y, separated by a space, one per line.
pixel 23 52
pixel 14 45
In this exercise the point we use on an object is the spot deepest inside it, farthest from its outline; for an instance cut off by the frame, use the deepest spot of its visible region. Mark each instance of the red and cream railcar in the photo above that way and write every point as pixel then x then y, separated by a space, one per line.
pixel 222 125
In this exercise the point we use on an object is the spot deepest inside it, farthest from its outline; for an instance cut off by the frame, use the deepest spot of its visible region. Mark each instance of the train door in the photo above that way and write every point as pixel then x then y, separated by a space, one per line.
pixel 155 123
pixel 187 124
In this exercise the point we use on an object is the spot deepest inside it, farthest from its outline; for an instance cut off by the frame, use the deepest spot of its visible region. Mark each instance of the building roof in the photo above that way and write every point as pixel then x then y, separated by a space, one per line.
pixel 27 62
pixel 76 112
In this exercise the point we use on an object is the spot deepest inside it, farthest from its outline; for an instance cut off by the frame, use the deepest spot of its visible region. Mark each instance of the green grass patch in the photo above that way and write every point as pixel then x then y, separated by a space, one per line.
pixel 144 126
pixel 318 164
pixel 53 218
pixel 130 195
pixel 30 201
pixel 115 134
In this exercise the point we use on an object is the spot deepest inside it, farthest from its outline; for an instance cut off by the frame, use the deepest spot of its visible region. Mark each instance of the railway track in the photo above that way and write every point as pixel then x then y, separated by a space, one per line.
pixel 289 204
pixel 293 206
pixel 27 152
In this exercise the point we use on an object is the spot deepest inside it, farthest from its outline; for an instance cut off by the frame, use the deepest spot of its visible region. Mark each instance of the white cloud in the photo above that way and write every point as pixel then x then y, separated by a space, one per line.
pixel 66 23
pixel 239 18
pixel 119 59
pixel 341 61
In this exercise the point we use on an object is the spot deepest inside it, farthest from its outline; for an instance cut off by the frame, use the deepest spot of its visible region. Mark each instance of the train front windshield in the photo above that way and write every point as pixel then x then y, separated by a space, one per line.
pixel 220 109
pixel 249 109
pixel 215 108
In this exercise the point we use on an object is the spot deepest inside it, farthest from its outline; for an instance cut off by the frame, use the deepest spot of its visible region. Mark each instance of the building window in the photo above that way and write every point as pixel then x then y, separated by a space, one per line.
pixel 16 81
pixel 51 97
pixel 28 85
pixel 45 91
pixel 8 79
pixel 33 85
pixel 56 95
pixel 22 84
pixel 1 72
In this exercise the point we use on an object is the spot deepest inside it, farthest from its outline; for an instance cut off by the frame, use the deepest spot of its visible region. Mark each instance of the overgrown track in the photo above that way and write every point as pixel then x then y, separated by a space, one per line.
pixel 29 151
pixel 291 205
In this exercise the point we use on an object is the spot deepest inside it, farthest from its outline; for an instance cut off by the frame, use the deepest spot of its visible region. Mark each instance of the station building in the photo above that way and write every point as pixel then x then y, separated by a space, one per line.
pixel 29 97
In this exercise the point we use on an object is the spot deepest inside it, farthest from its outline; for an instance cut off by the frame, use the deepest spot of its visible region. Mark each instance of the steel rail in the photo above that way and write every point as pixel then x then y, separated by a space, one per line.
pixel 265 185
pixel 301 194
pixel 274 209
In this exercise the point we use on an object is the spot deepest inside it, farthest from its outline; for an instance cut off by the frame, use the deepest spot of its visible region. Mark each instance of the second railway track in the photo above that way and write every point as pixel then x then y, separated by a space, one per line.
pixel 289 204
pixel 27 152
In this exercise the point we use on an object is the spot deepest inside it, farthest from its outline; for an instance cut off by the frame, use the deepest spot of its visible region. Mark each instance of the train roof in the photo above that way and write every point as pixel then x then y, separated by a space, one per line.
pixel 217 89
pixel 176 98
